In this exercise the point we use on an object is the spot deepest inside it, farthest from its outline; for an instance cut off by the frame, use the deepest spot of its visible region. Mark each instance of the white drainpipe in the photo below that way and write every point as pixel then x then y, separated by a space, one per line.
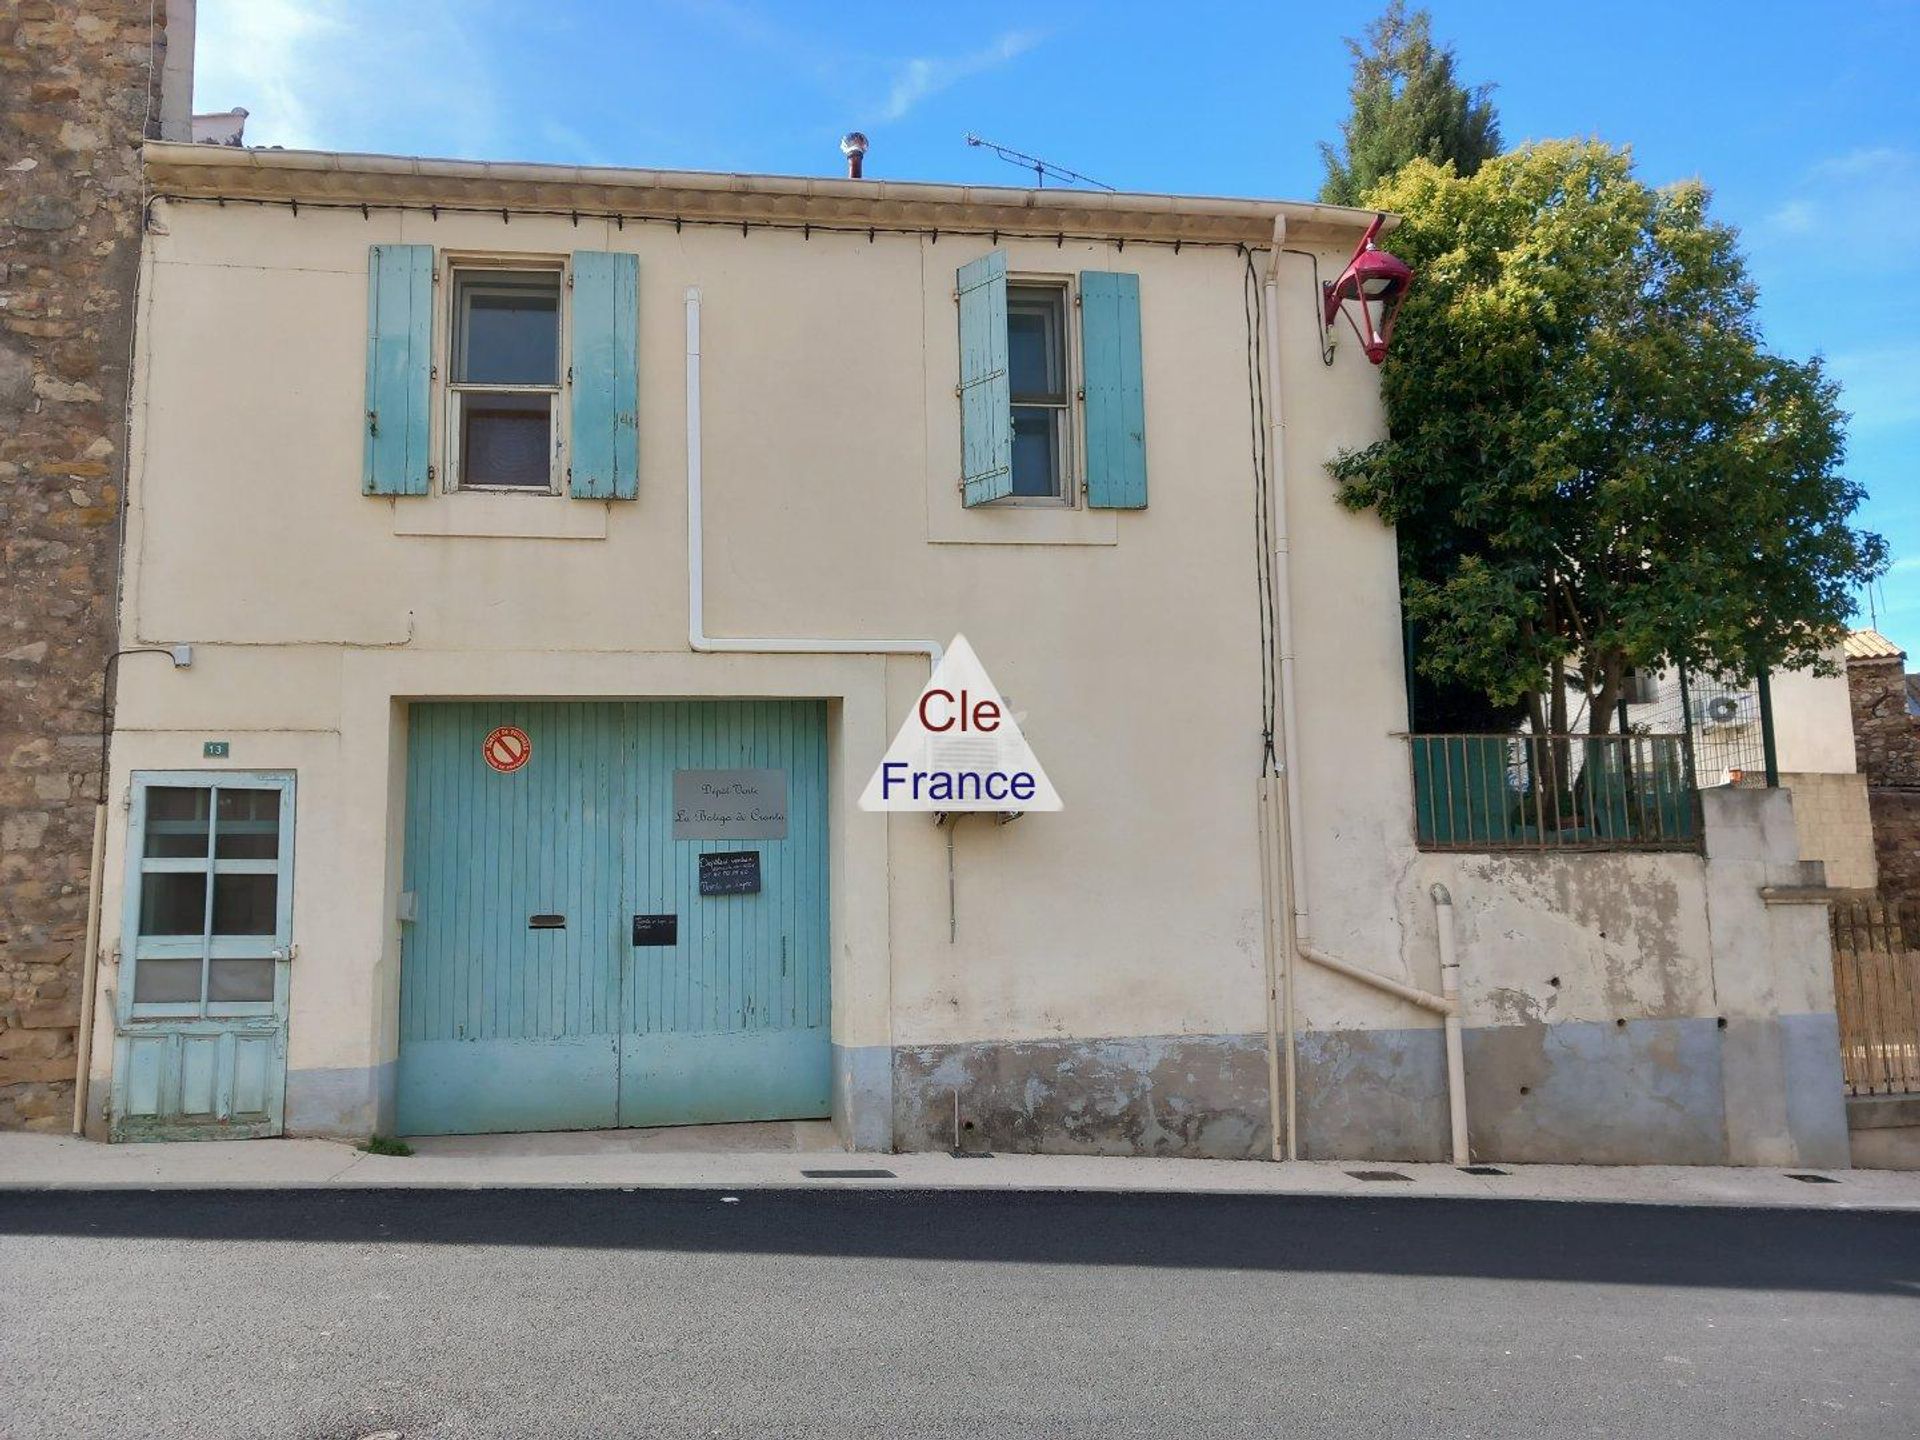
pixel 697 637
pixel 1450 990
pixel 1291 841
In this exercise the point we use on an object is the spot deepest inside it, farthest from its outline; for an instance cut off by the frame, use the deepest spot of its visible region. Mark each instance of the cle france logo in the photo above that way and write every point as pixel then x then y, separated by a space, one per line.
pixel 960 749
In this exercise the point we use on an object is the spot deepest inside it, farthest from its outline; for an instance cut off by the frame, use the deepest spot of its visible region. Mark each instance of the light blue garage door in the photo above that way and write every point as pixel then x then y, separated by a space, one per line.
pixel 619 915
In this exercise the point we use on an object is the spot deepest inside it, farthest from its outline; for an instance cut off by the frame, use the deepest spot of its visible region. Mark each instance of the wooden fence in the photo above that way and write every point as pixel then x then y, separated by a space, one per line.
pixel 1876 988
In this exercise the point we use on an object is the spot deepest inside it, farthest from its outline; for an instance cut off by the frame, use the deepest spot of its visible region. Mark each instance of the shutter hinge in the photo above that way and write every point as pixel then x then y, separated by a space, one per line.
pixel 436 277
pixel 1080 393
pixel 569 374
pixel 433 372
pixel 430 474
pixel 1076 300
pixel 373 422
pixel 569 279
pixel 956 296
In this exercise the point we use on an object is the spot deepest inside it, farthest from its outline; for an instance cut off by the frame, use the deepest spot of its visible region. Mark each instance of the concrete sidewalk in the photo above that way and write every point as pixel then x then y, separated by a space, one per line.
pixel 750 1157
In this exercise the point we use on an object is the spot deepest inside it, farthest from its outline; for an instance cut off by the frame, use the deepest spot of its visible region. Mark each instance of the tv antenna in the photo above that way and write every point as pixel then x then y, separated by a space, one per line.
pixel 1041 168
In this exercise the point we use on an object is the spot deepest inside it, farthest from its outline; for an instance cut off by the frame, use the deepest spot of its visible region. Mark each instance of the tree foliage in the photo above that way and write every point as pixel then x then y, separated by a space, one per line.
pixel 1406 105
pixel 1593 461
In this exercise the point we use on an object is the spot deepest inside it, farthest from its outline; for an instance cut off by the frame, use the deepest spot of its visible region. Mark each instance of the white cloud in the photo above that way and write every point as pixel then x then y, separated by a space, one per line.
pixel 1867 163
pixel 349 74
pixel 1796 217
pixel 917 78
pixel 258 54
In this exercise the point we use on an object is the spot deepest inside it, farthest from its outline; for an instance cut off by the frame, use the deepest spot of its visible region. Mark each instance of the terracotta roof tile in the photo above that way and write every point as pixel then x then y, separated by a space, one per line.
pixel 1871 645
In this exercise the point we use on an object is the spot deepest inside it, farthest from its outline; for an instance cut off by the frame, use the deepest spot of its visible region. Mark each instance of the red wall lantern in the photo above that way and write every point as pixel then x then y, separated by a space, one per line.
pixel 1370 290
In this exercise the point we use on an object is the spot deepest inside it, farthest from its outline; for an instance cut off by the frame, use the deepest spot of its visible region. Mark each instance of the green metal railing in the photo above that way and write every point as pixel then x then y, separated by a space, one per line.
pixel 1554 792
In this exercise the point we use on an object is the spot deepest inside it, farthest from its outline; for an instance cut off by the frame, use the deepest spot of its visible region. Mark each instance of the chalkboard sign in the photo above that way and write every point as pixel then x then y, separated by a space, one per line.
pixel 730 872
pixel 656 929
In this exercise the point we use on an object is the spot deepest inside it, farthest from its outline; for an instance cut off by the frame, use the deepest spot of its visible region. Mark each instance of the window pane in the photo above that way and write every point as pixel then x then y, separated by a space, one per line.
pixel 1034 353
pixel 245 904
pixel 503 440
pixel 173 904
pixel 509 330
pixel 1036 467
pixel 240 980
pixel 249 825
pixel 177 821
pixel 166 981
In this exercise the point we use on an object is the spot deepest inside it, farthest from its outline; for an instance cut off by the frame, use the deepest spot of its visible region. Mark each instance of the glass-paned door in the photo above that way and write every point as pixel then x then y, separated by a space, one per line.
pixel 206 941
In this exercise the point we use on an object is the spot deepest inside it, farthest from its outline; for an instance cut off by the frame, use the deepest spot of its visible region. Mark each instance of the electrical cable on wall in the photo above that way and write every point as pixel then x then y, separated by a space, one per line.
pixel 807 229
pixel 1262 508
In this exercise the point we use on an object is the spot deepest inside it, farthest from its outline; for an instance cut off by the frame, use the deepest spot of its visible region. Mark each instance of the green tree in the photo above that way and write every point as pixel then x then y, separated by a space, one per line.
pixel 1593 461
pixel 1406 105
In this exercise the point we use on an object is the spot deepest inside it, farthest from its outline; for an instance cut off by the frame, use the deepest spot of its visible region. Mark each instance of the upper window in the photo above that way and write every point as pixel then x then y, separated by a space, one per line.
pixel 1037 365
pixel 504 386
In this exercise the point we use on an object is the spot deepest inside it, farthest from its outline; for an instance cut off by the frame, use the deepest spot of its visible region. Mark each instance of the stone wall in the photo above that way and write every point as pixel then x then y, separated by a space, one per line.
pixel 1887 745
pixel 79 90
pixel 1886 739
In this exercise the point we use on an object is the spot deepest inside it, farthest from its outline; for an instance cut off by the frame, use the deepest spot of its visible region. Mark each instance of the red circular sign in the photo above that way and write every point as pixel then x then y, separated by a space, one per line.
pixel 507 748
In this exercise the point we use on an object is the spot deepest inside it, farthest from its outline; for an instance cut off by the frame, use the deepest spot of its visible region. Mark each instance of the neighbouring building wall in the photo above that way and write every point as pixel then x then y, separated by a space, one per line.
pixel 79 87
pixel 1887 741
pixel 1813 740
pixel 1833 817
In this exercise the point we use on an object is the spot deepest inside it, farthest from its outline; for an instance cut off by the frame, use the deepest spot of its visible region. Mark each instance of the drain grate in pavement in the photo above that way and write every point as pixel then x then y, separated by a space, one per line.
pixel 1813 1179
pixel 1482 1170
pixel 971 1154
pixel 1379 1175
pixel 849 1174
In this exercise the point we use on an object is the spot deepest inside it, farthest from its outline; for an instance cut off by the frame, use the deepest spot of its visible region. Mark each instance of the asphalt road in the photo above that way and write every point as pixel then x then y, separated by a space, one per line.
pixel 829 1313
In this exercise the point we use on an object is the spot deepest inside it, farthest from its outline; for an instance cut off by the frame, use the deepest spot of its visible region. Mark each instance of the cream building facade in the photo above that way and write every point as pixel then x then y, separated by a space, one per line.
pixel 731 569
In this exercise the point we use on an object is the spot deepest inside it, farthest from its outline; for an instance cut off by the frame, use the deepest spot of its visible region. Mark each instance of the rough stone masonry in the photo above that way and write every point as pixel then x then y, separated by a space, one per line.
pixel 79 91
pixel 1886 742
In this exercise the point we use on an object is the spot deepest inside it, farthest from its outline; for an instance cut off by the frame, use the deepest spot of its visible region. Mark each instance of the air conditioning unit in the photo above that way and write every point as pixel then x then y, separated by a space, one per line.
pixel 1729 712
pixel 1642 687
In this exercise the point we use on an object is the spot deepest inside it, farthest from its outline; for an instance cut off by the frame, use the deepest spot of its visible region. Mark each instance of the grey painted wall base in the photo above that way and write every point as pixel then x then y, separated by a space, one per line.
pixel 1647 1092
pixel 343 1104
pixel 863 1096
pixel 1195 1095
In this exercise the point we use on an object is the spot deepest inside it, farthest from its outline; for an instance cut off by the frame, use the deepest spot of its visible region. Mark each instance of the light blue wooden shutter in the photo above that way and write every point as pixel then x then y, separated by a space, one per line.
pixel 986 403
pixel 605 462
pixel 1116 403
pixel 399 369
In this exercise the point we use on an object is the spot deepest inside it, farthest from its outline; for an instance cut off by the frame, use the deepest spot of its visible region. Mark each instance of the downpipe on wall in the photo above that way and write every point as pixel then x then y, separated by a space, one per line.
pixel 1280 798
pixel 90 963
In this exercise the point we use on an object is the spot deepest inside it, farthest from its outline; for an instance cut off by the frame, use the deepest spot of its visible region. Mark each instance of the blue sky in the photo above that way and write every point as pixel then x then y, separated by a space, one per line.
pixel 1804 118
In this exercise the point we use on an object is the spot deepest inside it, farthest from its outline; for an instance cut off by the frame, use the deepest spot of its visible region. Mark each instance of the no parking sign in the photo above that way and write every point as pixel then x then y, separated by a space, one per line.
pixel 506 748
